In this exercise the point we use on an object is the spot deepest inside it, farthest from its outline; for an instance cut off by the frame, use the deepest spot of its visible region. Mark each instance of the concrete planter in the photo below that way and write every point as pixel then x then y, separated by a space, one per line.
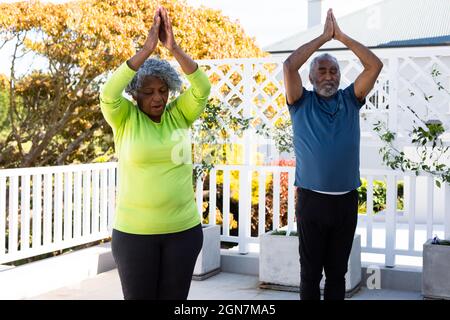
pixel 435 272
pixel 279 264
pixel 208 261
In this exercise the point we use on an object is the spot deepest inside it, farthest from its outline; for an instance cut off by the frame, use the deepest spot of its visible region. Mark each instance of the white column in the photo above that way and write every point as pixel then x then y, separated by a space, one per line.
pixel 391 218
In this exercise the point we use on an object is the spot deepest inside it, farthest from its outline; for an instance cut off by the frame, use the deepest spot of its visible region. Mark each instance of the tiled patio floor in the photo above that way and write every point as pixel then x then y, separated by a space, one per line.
pixel 224 286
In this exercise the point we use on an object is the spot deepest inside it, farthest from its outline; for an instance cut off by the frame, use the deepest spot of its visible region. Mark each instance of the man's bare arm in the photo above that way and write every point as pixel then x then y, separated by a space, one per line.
pixel 372 64
pixel 292 80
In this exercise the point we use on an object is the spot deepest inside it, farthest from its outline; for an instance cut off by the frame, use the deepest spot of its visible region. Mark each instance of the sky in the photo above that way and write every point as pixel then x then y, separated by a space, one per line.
pixel 270 21
pixel 267 21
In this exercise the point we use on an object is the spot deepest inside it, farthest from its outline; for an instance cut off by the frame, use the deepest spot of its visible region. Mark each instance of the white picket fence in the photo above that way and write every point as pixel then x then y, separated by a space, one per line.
pixel 48 209
pixel 52 208
pixel 388 220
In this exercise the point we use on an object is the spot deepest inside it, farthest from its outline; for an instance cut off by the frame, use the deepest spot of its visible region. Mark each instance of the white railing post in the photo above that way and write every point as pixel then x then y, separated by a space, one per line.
pixel 2 214
pixel 393 93
pixel 111 197
pixel 95 202
pixel 86 203
pixel 262 203
pixel 245 185
pixel 212 197
pixel 199 196
pixel 291 201
pixel 446 187
pixel 58 221
pixel 391 217
pixel 68 206
pixel 104 201
pixel 245 176
pixel 369 211
pixel 430 206
pixel 25 213
pixel 226 202
pixel 37 211
pixel 77 201
pixel 410 208
pixel 276 200
pixel 48 188
pixel 13 214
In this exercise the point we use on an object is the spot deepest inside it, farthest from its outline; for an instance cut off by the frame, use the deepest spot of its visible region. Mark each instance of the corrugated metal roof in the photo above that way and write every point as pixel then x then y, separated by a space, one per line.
pixel 390 23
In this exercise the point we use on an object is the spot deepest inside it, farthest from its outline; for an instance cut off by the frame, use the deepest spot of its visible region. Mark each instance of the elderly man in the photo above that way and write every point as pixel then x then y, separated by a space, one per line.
pixel 326 141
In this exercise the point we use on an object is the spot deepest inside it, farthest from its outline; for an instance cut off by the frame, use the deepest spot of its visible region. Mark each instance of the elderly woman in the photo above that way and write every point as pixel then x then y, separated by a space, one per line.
pixel 157 232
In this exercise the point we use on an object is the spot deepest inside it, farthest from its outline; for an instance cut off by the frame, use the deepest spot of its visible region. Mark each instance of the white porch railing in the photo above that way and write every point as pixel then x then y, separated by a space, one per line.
pixel 389 220
pixel 53 208
pixel 48 209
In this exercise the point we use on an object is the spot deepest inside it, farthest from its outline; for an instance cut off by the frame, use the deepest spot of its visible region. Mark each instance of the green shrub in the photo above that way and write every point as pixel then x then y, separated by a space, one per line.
pixel 379 196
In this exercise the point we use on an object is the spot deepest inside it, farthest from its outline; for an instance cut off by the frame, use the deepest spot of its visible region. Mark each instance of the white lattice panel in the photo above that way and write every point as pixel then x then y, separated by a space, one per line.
pixel 254 88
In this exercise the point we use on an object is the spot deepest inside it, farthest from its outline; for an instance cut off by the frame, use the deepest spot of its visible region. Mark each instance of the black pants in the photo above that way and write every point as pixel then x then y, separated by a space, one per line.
pixel 156 267
pixel 326 225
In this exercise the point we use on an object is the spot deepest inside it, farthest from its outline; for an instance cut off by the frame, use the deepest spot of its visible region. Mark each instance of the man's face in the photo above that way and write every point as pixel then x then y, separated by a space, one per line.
pixel 325 77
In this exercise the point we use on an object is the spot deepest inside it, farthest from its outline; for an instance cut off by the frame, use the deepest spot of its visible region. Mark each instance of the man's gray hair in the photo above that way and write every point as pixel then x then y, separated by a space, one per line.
pixel 320 57
pixel 156 68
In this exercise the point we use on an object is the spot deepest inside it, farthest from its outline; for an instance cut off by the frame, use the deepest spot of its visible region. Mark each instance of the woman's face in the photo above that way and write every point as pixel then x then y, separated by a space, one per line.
pixel 152 97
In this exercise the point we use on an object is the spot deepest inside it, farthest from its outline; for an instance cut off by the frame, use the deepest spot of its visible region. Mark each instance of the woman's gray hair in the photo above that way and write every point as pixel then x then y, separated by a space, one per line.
pixel 156 68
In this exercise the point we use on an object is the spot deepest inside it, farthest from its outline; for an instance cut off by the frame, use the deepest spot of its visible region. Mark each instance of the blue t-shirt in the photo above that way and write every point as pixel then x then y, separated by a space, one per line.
pixel 326 140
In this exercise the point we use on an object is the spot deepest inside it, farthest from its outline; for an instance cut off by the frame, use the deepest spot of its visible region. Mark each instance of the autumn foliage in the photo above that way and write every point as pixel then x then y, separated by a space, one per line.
pixel 54 113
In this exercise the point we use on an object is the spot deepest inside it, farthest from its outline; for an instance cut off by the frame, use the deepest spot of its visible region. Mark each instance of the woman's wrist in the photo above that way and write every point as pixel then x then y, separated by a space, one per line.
pixel 147 51
pixel 175 49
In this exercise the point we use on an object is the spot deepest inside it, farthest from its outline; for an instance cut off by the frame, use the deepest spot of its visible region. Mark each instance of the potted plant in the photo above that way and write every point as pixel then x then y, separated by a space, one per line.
pixel 435 272
pixel 279 263
pixel 208 260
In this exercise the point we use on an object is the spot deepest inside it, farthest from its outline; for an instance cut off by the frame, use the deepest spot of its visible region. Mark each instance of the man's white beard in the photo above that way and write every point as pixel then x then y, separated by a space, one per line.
pixel 327 91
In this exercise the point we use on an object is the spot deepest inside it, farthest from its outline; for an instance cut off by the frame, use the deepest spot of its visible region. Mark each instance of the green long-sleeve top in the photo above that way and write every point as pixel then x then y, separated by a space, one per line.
pixel 155 192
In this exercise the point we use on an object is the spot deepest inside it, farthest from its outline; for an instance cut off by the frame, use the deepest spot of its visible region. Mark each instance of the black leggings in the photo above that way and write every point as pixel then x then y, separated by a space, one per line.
pixel 156 267
pixel 326 225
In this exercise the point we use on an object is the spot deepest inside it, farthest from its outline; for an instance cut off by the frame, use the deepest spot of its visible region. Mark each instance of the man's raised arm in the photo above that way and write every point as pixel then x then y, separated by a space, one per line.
pixel 372 64
pixel 292 79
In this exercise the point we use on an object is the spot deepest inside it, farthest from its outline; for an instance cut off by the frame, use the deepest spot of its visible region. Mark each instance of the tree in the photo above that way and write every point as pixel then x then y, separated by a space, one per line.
pixel 52 114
